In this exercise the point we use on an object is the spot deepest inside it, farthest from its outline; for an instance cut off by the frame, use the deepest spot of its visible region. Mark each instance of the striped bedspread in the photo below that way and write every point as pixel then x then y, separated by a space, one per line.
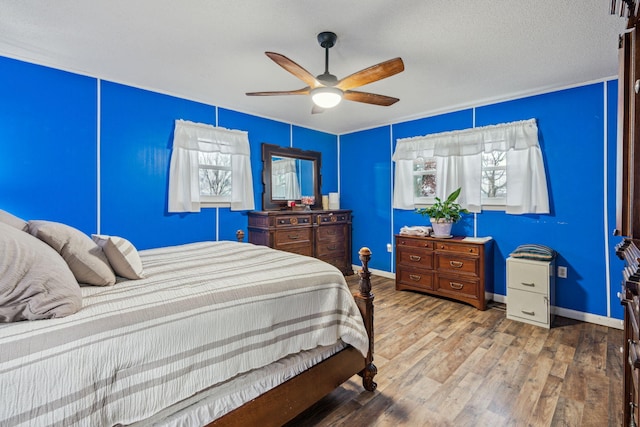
pixel 205 313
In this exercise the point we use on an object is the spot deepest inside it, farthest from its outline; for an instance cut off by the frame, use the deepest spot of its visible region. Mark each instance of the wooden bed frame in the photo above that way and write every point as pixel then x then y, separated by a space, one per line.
pixel 284 402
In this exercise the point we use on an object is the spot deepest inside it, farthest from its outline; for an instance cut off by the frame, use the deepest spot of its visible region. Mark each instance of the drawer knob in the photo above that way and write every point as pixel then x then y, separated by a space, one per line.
pixel 331 232
pixel 528 284
pixel 293 236
pixel 415 257
pixel 456 286
pixel 415 277
pixel 332 248
pixel 530 313
pixel 456 264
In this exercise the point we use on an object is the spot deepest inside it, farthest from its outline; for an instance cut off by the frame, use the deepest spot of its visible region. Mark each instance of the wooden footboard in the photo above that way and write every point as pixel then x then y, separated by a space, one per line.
pixel 283 403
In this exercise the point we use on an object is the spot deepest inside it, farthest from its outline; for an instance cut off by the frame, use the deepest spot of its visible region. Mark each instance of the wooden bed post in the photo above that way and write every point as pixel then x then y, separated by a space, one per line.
pixel 364 300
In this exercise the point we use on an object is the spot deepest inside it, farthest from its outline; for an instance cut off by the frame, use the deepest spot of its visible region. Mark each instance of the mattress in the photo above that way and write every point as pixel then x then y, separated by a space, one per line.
pixel 205 313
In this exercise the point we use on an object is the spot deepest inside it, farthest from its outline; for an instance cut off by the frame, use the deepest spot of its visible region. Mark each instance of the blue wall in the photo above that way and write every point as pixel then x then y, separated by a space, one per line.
pixel 579 154
pixel 95 155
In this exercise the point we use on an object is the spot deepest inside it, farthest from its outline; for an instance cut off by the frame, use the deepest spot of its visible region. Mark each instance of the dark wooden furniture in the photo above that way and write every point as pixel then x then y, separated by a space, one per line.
pixel 287 400
pixel 325 235
pixel 628 200
pixel 453 268
pixel 628 251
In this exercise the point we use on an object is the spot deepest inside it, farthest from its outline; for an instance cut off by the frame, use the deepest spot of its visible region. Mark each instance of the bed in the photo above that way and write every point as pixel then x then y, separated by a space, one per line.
pixel 215 333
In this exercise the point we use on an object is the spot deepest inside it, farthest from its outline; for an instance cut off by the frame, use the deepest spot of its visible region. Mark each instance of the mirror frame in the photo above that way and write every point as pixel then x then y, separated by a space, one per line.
pixel 269 150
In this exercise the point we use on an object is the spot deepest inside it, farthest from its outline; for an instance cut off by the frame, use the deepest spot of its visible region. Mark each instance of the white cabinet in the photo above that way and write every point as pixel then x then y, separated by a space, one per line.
pixel 530 291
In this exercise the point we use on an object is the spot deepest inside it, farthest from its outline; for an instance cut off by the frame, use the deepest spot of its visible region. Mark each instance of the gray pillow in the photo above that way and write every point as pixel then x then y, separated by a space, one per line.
pixel 12 220
pixel 35 282
pixel 85 259
pixel 122 255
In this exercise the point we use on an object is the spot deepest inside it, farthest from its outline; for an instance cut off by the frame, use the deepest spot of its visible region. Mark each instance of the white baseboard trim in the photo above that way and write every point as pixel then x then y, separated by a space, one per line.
pixel 375 272
pixel 610 322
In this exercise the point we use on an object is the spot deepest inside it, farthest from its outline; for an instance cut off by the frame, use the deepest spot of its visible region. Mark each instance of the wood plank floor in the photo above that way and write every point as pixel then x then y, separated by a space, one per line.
pixel 443 363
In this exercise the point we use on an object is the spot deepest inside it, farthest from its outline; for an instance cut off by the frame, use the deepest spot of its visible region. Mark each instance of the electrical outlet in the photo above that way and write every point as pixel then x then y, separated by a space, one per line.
pixel 562 272
pixel 389 247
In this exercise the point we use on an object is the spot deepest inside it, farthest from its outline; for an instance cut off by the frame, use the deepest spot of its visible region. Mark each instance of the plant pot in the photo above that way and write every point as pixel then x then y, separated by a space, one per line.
pixel 441 228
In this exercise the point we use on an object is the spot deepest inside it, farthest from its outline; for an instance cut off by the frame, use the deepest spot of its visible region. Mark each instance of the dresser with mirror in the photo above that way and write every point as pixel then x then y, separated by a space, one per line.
pixel 291 176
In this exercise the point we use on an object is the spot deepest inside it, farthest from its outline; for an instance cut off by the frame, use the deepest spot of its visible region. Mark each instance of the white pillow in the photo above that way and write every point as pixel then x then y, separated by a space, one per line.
pixel 122 255
pixel 85 259
pixel 35 282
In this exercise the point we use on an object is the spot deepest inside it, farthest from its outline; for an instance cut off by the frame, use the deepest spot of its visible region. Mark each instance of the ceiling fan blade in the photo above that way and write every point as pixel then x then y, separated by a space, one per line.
pixel 293 68
pixel 372 74
pixel 369 98
pixel 303 91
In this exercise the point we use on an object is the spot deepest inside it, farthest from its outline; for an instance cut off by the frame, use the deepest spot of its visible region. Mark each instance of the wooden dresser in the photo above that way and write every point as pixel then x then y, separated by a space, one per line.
pixel 325 235
pixel 456 268
pixel 628 251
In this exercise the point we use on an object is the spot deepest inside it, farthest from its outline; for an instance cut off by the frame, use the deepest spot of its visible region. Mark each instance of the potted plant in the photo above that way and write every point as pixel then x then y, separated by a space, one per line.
pixel 443 214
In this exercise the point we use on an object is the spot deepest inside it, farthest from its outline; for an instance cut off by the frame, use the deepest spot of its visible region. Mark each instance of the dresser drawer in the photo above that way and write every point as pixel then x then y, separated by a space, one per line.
pixel 526 305
pixel 332 218
pixel 299 249
pixel 329 249
pixel 331 233
pixel 415 278
pixel 415 257
pixel 458 287
pixel 292 220
pixel 454 263
pixel 413 243
pixel 532 276
pixel 458 248
pixel 338 262
pixel 292 235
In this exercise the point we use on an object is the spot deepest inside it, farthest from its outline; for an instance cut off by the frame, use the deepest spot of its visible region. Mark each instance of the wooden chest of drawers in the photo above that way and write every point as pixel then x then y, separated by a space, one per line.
pixel 630 299
pixel 456 268
pixel 325 235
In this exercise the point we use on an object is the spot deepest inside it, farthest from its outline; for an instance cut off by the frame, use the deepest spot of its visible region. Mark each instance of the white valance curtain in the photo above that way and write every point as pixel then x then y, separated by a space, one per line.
pixel 189 139
pixel 458 157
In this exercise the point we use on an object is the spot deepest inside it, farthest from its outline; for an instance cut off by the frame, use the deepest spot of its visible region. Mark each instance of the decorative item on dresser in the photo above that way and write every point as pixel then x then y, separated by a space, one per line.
pixel 457 268
pixel 628 251
pixel 325 235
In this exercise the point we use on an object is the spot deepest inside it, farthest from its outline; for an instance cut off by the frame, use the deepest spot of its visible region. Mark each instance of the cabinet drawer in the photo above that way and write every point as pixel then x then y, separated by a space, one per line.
pixel 338 262
pixel 529 276
pixel 415 278
pixel 297 249
pixel 458 287
pixel 456 264
pixel 332 218
pixel 413 243
pixel 292 235
pixel 292 220
pixel 527 305
pixel 329 249
pixel 331 233
pixel 457 247
pixel 415 258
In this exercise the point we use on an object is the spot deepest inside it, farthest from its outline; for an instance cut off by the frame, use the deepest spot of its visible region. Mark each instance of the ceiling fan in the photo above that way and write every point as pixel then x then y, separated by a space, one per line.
pixel 326 90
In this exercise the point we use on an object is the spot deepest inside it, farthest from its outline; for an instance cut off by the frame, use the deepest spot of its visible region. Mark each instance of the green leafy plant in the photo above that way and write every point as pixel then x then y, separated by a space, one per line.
pixel 447 211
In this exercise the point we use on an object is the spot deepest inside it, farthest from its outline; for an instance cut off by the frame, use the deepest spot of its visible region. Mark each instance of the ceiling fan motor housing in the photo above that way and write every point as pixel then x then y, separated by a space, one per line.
pixel 327 39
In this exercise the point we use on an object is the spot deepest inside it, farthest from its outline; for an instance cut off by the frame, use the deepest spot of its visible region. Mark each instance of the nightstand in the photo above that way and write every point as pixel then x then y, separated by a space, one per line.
pixel 530 291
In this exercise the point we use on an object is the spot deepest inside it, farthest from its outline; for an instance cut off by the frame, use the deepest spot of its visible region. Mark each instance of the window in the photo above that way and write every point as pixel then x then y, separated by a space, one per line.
pixel 498 165
pixel 210 167
pixel 494 178
pixel 424 184
pixel 214 170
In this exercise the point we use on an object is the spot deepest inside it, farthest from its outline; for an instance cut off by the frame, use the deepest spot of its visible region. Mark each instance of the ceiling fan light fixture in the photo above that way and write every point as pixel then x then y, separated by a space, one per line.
pixel 326 97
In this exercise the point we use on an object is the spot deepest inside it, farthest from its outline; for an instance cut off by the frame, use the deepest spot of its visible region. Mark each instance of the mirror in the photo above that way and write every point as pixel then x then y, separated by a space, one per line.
pixel 289 174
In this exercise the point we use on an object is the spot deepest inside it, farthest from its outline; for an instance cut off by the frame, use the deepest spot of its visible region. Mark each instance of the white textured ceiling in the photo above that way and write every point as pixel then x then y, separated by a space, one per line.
pixel 457 53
